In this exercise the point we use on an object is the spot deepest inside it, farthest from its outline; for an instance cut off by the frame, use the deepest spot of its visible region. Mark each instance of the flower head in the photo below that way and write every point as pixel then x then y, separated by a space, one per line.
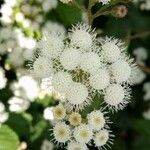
pixel 75 119
pixel 73 145
pixel 83 133
pixel 61 132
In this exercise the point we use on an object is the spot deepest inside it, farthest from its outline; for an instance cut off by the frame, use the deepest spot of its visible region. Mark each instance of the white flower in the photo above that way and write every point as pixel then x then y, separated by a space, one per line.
pixel 61 132
pixel 82 37
pixel 3 115
pixel 146 114
pixel 77 95
pixel 112 50
pixel 48 113
pixel 59 112
pixel 42 67
pixel 141 55
pixel 47 145
pixel 17 104
pixel 29 86
pixel 90 62
pixel 73 145
pixel 70 58
pixel 65 1
pixel 120 71
pixel 96 120
pixel 83 133
pixel 116 96
pixel 3 79
pixel 51 46
pixel 100 79
pixel 104 2
pixel 61 81
pixel 146 88
pixel 103 139
pixel 75 119
pixel 19 17
pixel 48 5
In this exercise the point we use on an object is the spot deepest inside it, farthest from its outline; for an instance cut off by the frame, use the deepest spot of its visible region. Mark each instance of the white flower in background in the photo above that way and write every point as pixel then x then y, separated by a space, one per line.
pixel 3 79
pixel 19 17
pixel 18 105
pixel 146 114
pixel 145 5
pixel 48 5
pixel 16 53
pixel 83 133
pixel 146 89
pixel 117 96
pixel 26 87
pixel 48 113
pixel 73 145
pixel 137 76
pixel 54 28
pixel 65 1
pixel 47 145
pixel 3 114
pixel 61 132
pixel 104 2
pixel 141 55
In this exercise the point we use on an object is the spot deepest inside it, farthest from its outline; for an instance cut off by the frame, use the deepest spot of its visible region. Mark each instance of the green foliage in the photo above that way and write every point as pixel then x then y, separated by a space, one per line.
pixel 9 140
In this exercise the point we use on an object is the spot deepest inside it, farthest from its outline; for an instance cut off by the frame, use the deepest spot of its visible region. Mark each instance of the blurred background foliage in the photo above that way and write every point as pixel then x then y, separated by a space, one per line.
pixel 131 129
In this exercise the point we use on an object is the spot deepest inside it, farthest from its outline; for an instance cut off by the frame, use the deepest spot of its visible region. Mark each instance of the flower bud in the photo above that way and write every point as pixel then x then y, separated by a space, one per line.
pixel 120 11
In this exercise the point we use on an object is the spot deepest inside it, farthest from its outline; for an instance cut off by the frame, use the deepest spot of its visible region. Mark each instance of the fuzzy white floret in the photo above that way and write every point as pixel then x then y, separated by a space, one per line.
pixel 77 94
pixel 90 62
pixel 61 81
pixel 110 52
pixel 83 133
pixel 42 67
pixel 51 46
pixel 82 36
pixel 70 58
pixel 61 132
pixel 101 138
pixel 96 120
pixel 120 71
pixel 100 80
pixel 117 96
pixel 73 145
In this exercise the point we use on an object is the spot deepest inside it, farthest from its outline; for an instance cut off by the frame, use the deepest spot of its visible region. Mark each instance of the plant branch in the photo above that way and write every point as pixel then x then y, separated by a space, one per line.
pixel 145 69
pixel 82 8
pixel 138 35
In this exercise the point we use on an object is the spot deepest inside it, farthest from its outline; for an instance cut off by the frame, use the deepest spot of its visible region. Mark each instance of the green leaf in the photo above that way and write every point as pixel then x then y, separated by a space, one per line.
pixel 68 14
pixel 142 126
pixel 8 138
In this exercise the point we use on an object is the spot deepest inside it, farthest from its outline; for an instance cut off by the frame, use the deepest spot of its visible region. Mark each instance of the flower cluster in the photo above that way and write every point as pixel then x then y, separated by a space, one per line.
pixel 80 67
pixel 26 13
pixel 79 131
